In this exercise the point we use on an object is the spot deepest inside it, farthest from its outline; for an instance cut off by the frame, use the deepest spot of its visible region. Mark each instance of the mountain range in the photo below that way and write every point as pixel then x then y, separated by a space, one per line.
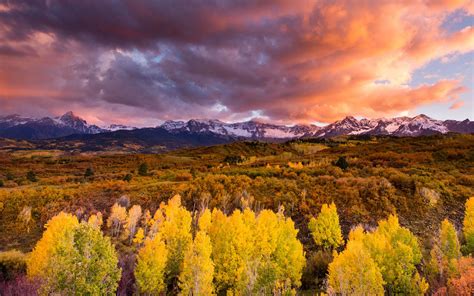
pixel 69 129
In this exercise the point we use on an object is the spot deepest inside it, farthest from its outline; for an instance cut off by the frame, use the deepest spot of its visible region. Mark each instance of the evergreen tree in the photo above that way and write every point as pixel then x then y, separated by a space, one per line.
pixel 89 172
pixel 143 169
pixel 31 176
pixel 127 177
pixel 342 163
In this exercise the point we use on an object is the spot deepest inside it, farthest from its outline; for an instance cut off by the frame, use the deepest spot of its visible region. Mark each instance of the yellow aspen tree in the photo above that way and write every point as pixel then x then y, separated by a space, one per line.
pixel 288 255
pixel 397 252
pixel 84 263
pixel 450 247
pixel 232 249
pixel 96 220
pixel 59 228
pixel 468 225
pixel 151 266
pixel 325 229
pixel 134 215
pixel 174 225
pixel 198 269
pixel 353 271
pixel 117 219
pixel 205 221
pixel 146 221
pixel 139 236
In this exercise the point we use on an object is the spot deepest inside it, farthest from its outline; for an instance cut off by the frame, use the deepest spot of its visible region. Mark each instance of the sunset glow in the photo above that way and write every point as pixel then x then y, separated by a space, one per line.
pixel 142 62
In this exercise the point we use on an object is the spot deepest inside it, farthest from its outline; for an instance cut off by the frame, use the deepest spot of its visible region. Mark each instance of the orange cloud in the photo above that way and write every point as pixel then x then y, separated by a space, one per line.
pixel 293 62
pixel 456 105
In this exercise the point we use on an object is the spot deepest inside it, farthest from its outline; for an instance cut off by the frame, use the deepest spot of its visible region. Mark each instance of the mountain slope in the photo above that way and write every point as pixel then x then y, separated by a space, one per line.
pixel 249 129
pixel 18 127
pixel 143 140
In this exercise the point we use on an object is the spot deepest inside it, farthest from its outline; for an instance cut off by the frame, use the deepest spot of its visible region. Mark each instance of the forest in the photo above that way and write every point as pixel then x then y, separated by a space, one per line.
pixel 342 216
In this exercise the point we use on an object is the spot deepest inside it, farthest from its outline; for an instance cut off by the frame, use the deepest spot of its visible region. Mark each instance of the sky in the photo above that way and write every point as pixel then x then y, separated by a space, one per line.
pixel 140 62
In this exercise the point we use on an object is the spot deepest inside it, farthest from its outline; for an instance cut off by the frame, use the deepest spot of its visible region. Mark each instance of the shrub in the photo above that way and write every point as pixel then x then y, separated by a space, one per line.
pixel 89 172
pixel 127 177
pixel 31 176
pixel 143 169
pixel 12 264
pixel 342 163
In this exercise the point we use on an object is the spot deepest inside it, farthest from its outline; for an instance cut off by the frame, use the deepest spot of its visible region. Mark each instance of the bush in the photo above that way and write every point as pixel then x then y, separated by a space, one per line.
pixel 31 176
pixel 89 172
pixel 127 177
pixel 342 163
pixel 143 169
pixel 10 176
pixel 12 264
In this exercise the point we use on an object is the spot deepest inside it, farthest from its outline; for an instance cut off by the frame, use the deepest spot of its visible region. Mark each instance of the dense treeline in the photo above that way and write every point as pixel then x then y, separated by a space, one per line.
pixel 205 252
pixel 421 180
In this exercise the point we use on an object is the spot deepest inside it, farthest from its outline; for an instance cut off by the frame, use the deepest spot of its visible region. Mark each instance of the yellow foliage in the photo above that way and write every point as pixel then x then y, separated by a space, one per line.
pixel 173 223
pixel 198 269
pixel 134 215
pixel 468 225
pixel 354 272
pixel 117 219
pixel 150 268
pixel 96 220
pixel 325 229
pixel 139 236
pixel 60 227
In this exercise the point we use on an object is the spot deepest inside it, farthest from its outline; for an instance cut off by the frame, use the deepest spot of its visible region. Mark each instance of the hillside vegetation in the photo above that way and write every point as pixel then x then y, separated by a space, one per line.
pixel 375 183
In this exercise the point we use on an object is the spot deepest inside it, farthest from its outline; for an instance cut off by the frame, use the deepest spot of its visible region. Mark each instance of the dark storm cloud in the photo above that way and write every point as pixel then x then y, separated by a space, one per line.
pixel 292 60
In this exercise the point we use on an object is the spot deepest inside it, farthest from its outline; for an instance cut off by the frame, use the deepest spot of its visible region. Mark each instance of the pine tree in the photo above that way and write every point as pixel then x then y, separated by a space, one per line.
pixel 198 269
pixel 143 169
pixel 325 229
pixel 88 173
pixel 151 265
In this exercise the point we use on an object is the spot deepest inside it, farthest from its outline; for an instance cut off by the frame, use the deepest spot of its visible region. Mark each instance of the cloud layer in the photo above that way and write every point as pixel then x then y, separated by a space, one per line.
pixel 289 61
